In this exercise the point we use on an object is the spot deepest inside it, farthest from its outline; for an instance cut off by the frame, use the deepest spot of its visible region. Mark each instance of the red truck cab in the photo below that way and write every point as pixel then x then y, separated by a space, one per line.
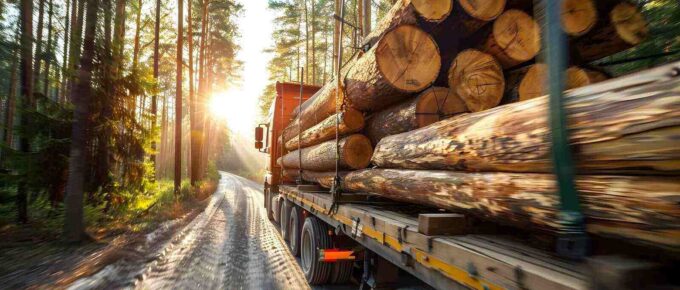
pixel 280 115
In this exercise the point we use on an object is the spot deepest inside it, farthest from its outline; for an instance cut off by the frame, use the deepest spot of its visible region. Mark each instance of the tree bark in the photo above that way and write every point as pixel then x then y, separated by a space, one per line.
pixel 634 208
pixel 74 226
pixel 138 27
pixel 50 51
pixel 156 58
pixel 38 44
pixel 617 29
pixel 324 179
pixel 354 153
pixel 513 38
pixel 477 78
pixel 349 121
pixel 531 81
pixel 65 52
pixel 629 125
pixel 27 100
pixel 178 99
pixel 432 105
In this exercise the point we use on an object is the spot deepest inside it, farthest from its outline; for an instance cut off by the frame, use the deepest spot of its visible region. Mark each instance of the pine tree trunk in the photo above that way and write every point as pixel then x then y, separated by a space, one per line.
pixel 324 179
pixel 38 44
pixel 74 226
pixel 178 99
pixel 156 57
pixel 637 209
pixel 355 153
pixel 432 105
pixel 50 52
pixel 628 125
pixel 27 100
pixel 138 27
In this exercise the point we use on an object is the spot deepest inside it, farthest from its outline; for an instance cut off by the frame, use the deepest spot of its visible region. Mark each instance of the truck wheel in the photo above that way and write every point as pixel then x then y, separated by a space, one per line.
pixel 313 238
pixel 294 231
pixel 341 272
pixel 283 221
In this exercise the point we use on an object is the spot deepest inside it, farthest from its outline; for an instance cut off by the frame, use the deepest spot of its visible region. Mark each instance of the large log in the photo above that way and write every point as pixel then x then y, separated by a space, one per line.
pixel 324 179
pixel 422 13
pixel 349 121
pixel 530 82
pixel 404 61
pixel 477 78
pixel 630 124
pixel 514 38
pixel 355 153
pixel 617 29
pixel 432 105
pixel 635 208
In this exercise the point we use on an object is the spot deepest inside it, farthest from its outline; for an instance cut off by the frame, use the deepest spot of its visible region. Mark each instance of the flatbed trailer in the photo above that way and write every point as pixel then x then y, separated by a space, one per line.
pixel 465 261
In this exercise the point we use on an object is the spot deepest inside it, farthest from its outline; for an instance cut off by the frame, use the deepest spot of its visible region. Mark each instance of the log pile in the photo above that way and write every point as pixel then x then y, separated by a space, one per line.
pixel 479 142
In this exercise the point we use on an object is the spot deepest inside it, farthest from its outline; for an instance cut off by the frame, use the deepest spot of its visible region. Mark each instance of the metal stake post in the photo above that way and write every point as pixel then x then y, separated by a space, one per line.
pixel 572 240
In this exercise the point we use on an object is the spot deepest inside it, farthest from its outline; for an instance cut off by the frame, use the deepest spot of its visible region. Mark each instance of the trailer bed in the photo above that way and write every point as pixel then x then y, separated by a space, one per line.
pixel 469 261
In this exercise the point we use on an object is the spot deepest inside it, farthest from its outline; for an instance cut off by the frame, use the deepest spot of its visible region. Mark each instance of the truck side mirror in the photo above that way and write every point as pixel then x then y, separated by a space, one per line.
pixel 259 134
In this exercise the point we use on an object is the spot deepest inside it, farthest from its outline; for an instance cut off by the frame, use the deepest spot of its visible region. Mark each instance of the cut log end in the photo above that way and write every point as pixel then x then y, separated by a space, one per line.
pixel 437 103
pixel 485 10
pixel 353 120
pixel 578 16
pixel 629 22
pixel 433 10
pixel 357 151
pixel 408 58
pixel 516 38
pixel 477 78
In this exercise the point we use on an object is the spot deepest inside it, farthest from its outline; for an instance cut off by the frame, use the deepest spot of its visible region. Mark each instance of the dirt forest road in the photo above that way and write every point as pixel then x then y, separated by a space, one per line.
pixel 231 245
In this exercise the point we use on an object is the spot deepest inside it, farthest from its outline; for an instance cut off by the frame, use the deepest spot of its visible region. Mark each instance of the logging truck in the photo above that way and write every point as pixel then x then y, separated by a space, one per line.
pixel 447 151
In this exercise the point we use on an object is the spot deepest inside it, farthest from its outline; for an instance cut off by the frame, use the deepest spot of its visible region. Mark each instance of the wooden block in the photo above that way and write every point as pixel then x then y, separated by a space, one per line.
pixel 623 273
pixel 437 224
pixel 309 187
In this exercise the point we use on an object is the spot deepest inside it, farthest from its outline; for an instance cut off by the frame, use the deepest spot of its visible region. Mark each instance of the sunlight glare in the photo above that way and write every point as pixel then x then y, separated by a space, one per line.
pixel 235 108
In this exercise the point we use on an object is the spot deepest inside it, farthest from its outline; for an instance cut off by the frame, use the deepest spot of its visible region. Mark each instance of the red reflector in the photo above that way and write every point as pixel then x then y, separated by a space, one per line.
pixel 333 255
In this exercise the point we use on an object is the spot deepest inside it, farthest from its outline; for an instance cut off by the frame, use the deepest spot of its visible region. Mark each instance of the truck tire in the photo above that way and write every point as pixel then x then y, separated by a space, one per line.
pixel 341 272
pixel 294 231
pixel 283 221
pixel 313 238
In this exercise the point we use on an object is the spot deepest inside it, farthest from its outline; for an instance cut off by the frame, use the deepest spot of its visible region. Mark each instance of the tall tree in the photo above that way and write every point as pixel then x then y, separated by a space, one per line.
pixel 178 98
pixel 154 98
pixel 27 100
pixel 65 52
pixel 48 55
pixel 192 102
pixel 74 226
pixel 38 44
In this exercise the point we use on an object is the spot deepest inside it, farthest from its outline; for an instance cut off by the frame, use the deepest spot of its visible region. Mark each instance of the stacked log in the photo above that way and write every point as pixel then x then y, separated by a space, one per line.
pixel 626 130
pixel 477 78
pixel 349 121
pixel 354 152
pixel 514 38
pixel 639 209
pixel 455 148
pixel 430 106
